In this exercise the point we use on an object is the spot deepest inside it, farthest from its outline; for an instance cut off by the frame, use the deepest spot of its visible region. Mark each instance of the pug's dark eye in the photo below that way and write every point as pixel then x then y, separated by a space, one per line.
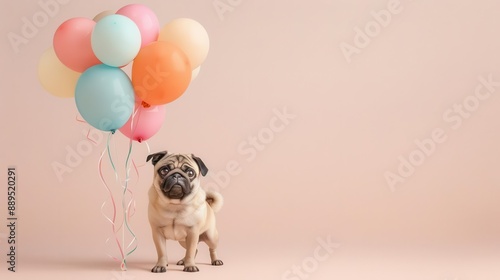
pixel 190 172
pixel 163 171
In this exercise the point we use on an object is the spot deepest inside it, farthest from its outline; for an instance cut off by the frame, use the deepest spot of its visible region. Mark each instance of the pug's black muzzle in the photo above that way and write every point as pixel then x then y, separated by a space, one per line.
pixel 176 186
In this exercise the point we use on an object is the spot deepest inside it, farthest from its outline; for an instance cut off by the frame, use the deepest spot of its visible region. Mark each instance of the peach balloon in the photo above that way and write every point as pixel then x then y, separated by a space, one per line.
pixel 195 73
pixel 72 44
pixel 56 78
pixel 102 14
pixel 160 73
pixel 190 36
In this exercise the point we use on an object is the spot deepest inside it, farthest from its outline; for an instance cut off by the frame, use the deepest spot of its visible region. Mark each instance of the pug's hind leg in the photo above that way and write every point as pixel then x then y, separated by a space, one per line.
pixel 212 240
pixel 183 244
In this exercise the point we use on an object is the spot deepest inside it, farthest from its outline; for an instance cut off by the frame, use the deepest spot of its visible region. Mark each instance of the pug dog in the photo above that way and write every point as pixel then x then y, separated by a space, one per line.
pixel 179 209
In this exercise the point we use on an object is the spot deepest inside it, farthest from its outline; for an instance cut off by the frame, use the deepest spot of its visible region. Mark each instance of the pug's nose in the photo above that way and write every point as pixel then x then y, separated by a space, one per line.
pixel 176 175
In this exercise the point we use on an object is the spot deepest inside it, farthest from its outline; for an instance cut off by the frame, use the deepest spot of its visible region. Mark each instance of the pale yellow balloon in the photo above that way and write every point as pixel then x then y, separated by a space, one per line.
pixel 55 77
pixel 195 73
pixel 190 36
pixel 102 14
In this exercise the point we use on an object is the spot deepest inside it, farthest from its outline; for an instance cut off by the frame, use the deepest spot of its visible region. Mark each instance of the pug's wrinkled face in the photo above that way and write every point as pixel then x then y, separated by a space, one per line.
pixel 177 175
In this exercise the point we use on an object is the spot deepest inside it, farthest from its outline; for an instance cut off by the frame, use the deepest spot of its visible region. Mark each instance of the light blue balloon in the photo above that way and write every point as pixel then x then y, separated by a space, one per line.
pixel 104 97
pixel 116 40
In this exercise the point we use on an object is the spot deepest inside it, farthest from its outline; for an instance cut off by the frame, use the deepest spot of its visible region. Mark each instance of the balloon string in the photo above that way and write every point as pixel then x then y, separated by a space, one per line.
pixel 88 131
pixel 132 127
pixel 111 158
pixel 126 209
pixel 124 255
pixel 131 213
pixel 110 193
pixel 90 139
pixel 149 152
pixel 129 208
pixel 79 120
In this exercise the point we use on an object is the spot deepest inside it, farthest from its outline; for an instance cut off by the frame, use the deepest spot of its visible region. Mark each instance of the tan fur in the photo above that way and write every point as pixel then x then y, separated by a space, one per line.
pixel 188 221
pixel 215 200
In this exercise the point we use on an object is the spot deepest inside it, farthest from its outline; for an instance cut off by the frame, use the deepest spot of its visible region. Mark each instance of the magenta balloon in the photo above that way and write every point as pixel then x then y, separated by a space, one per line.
pixel 72 44
pixel 144 122
pixel 145 19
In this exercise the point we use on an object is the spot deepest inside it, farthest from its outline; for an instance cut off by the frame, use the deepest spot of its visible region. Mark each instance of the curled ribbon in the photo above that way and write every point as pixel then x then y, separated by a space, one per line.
pixel 128 206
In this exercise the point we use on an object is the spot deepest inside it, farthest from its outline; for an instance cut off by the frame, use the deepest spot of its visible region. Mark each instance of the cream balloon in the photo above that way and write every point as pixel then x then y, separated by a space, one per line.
pixel 195 73
pixel 102 14
pixel 190 36
pixel 55 77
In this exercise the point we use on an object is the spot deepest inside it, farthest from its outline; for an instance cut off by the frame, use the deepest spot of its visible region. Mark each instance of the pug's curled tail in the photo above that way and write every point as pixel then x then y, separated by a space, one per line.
pixel 215 200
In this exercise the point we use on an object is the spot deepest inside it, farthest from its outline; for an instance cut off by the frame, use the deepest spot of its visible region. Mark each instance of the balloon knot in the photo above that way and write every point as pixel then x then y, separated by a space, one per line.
pixel 113 131
pixel 145 105
pixel 139 140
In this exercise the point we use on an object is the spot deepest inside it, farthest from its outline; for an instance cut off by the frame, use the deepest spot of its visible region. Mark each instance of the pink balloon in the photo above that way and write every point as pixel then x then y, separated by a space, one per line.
pixel 145 19
pixel 72 44
pixel 144 122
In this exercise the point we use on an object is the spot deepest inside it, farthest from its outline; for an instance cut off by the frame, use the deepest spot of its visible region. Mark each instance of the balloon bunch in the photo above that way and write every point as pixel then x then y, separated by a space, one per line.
pixel 87 56
pixel 86 61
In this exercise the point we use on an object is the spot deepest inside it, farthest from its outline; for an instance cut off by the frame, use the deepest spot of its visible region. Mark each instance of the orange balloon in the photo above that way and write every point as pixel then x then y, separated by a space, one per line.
pixel 161 73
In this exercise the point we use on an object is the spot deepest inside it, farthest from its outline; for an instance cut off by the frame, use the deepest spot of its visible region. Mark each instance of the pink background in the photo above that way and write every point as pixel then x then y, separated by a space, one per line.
pixel 320 175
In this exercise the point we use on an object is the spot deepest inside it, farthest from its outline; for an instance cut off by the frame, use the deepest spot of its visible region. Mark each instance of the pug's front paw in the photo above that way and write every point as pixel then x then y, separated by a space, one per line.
pixel 217 262
pixel 159 269
pixel 191 268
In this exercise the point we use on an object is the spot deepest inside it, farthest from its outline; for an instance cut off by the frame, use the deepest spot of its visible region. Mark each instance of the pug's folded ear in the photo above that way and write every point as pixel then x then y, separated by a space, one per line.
pixel 156 157
pixel 201 165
